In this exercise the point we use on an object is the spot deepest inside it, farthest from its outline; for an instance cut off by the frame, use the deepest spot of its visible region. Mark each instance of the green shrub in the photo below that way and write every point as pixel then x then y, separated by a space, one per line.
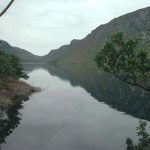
pixel 10 68
pixel 125 59
pixel 144 138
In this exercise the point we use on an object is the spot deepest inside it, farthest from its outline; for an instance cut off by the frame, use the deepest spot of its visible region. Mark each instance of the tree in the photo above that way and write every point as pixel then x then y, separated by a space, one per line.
pixel 126 60
pixel 10 68
pixel 6 8
pixel 144 138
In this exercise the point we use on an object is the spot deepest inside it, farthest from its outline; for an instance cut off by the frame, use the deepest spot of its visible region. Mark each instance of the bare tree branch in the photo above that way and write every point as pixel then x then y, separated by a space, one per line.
pixel 6 8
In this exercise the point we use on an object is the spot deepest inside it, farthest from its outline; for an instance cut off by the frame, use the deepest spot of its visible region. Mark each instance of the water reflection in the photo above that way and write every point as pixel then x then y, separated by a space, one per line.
pixel 105 88
pixel 9 120
pixel 101 86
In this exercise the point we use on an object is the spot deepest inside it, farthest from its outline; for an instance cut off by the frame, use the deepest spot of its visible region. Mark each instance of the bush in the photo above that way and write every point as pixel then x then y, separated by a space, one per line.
pixel 10 68
pixel 143 141
pixel 125 59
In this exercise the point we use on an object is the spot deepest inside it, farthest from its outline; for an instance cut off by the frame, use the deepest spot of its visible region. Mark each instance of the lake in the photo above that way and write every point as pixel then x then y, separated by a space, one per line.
pixel 77 109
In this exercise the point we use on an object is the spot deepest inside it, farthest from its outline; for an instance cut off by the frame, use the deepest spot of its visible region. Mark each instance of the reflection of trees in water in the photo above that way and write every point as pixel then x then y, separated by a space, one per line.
pixel 122 97
pixel 108 89
pixel 9 120
pixel 104 88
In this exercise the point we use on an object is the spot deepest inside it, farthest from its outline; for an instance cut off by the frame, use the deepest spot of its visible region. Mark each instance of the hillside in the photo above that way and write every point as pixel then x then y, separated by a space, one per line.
pixel 24 55
pixel 83 51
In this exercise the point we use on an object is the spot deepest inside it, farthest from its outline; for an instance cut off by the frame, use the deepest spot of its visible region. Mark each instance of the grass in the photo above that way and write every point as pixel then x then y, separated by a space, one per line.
pixel 15 92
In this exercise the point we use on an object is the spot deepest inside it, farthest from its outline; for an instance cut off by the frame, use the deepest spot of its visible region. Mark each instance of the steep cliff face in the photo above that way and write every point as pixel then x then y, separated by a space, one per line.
pixel 83 51
pixel 24 55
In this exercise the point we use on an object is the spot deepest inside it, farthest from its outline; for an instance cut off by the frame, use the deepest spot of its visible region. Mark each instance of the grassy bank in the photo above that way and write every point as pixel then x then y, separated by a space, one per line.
pixel 15 92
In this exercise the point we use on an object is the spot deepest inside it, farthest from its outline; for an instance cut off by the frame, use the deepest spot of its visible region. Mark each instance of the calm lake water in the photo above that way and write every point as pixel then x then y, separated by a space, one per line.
pixel 75 110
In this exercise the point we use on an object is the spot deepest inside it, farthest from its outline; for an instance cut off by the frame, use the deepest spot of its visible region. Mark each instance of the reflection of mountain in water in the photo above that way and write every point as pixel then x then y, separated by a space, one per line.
pixel 102 86
pixel 106 88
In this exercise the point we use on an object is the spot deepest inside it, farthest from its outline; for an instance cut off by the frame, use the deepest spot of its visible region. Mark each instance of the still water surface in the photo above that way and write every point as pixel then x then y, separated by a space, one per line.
pixel 66 117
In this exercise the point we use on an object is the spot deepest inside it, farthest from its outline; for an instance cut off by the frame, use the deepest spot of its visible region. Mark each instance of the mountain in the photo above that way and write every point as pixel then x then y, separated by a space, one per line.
pixel 83 51
pixel 24 55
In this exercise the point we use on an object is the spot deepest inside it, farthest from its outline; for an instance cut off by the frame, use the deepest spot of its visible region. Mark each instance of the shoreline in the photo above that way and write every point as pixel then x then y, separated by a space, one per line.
pixel 16 92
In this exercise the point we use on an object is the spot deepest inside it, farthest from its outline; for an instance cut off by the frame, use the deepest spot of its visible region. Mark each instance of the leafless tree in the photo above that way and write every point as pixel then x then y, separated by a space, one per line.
pixel 6 8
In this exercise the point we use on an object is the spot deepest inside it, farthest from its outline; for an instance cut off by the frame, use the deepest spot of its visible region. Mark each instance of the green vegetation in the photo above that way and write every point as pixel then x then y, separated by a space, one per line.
pixel 10 69
pixel 12 90
pixel 143 141
pixel 126 60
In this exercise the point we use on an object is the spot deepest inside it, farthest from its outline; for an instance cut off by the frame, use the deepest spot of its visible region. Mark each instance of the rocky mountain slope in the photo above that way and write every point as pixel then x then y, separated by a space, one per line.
pixel 83 51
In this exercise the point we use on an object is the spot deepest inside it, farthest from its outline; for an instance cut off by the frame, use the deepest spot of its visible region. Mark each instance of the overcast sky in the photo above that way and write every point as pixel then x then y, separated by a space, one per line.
pixel 42 25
